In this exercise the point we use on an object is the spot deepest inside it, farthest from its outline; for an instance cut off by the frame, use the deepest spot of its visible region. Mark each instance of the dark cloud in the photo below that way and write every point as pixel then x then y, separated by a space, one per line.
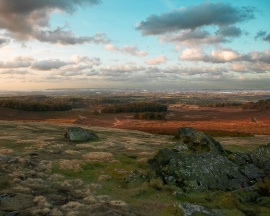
pixel 229 31
pixel 250 67
pixel 192 37
pixel 206 14
pixel 68 38
pixel 258 57
pixel 27 6
pixel 17 62
pixel 263 35
pixel 3 41
pixel 29 19
pixel 49 64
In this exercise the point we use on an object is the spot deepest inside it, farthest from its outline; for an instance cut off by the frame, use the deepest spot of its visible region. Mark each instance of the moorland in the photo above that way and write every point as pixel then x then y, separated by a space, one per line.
pixel 43 173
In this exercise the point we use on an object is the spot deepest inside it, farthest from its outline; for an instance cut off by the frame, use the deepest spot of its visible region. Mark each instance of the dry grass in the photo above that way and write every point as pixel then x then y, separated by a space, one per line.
pixel 72 152
pixel 87 170
pixel 74 165
pixel 97 157
pixel 6 151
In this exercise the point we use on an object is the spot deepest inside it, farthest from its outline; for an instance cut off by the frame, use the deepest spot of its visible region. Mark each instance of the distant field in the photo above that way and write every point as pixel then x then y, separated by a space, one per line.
pixel 199 110
pixel 214 121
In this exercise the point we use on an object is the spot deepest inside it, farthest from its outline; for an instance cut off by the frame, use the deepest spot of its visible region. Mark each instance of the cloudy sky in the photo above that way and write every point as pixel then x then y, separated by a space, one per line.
pixel 153 44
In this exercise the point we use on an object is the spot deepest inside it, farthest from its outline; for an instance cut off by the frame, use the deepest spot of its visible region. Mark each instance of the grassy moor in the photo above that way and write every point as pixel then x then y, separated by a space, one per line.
pixel 44 173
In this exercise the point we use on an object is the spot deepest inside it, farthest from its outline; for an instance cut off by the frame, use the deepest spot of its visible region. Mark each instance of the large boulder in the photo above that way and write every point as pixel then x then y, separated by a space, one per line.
pixel 261 157
pixel 78 134
pixel 199 163
pixel 198 141
pixel 201 172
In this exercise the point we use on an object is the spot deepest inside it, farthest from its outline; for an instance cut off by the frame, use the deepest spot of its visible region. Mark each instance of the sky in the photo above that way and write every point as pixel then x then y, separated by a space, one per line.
pixel 135 44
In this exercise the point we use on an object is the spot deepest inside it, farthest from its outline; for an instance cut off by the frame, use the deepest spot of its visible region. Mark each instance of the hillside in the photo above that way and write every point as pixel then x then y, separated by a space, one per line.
pixel 42 173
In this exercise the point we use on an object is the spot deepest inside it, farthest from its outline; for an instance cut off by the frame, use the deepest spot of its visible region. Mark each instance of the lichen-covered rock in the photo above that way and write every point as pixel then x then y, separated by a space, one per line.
pixel 199 163
pixel 192 209
pixel 240 158
pixel 198 141
pixel 261 158
pixel 136 176
pixel 78 134
pixel 198 172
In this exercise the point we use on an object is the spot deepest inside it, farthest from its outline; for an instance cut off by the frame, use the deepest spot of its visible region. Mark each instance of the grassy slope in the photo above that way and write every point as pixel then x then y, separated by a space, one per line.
pixel 103 165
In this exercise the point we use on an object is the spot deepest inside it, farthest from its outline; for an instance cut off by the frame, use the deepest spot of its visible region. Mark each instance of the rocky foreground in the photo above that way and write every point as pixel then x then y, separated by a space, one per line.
pixel 45 171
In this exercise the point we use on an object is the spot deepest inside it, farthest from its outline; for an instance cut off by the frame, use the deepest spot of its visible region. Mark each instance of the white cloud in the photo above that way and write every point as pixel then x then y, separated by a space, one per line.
pixel 157 60
pixel 216 56
pixel 132 50
pixel 224 55
pixel 192 54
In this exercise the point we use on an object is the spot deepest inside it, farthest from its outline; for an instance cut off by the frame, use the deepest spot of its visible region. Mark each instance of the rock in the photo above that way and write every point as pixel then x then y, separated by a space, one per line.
pixel 192 209
pixel 136 176
pixel 261 158
pixel 78 134
pixel 198 172
pixel 252 172
pixel 197 141
pixel 240 158
pixel 199 163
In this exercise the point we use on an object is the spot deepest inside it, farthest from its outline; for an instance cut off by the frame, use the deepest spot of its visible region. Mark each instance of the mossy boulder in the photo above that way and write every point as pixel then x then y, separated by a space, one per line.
pixel 261 157
pixel 200 172
pixel 197 141
pixel 199 163
pixel 78 134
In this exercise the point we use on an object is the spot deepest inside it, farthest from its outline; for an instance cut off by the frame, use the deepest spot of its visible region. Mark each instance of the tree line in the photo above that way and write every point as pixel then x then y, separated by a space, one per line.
pixel 221 104
pixel 137 107
pixel 259 105
pixel 150 115
pixel 39 106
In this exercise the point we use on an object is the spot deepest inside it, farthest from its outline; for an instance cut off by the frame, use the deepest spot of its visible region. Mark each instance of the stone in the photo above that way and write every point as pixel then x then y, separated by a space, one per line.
pixel 197 141
pixel 240 158
pixel 261 158
pixel 136 176
pixel 198 172
pixel 199 163
pixel 252 172
pixel 78 134
pixel 190 209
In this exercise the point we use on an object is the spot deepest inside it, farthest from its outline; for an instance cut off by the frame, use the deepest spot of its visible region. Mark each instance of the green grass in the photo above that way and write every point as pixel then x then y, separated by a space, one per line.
pixel 10 144
pixel 136 194
pixel 227 134
pixel 237 148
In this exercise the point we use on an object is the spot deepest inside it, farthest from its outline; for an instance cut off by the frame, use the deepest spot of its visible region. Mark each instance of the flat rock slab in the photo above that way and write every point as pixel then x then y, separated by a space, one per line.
pixel 78 134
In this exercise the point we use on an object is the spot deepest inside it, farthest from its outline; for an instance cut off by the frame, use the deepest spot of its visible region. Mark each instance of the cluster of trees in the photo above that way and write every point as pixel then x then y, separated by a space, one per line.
pixel 136 107
pixel 221 104
pixel 260 105
pixel 150 115
pixel 35 106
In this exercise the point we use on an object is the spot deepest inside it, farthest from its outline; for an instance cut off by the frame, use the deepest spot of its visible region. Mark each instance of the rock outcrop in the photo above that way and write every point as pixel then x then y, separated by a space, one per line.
pixel 78 134
pixel 261 158
pixel 199 163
